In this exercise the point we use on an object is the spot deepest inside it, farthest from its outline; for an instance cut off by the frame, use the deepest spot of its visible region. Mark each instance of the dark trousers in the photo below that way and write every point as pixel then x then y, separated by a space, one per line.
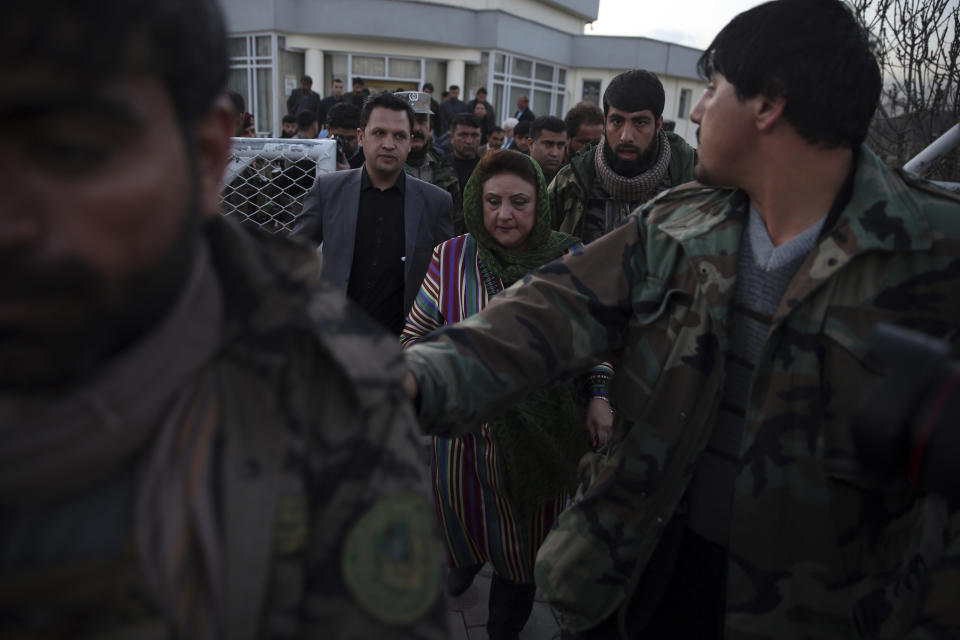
pixel 691 606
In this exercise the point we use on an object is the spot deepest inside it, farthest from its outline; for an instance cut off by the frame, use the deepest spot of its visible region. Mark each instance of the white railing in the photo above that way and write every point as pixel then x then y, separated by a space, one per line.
pixel 267 179
pixel 922 161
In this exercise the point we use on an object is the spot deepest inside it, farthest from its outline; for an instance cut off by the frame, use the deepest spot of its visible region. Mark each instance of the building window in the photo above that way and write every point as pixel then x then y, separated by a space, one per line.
pixel 253 75
pixel 543 83
pixel 684 109
pixel 591 91
pixel 386 72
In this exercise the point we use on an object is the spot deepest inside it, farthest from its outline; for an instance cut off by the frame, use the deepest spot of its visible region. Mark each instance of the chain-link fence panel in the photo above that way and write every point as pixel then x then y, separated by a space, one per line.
pixel 267 179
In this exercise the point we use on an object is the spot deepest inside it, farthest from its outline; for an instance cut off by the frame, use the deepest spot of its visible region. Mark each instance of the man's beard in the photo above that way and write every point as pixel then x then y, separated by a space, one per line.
pixel 632 168
pixel 97 321
pixel 417 156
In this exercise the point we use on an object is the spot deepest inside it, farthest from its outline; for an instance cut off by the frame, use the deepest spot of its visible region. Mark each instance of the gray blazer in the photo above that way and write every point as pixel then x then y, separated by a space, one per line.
pixel 330 216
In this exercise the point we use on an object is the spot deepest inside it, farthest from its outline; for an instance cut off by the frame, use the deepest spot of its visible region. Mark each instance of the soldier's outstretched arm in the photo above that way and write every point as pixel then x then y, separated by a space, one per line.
pixel 556 322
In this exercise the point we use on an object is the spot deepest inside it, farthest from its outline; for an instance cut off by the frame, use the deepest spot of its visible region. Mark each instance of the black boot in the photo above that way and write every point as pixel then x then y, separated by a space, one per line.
pixel 510 606
pixel 459 579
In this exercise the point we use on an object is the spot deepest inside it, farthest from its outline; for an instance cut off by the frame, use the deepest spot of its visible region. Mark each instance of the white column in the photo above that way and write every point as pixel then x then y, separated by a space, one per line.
pixel 313 67
pixel 456 74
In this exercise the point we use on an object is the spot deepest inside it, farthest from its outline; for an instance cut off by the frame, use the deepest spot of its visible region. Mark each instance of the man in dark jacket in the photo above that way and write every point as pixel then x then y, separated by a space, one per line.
pixel 304 98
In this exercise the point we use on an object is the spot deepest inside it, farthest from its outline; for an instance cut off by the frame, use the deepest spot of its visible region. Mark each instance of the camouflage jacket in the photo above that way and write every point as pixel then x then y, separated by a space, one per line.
pixel 818 547
pixel 438 171
pixel 327 531
pixel 576 193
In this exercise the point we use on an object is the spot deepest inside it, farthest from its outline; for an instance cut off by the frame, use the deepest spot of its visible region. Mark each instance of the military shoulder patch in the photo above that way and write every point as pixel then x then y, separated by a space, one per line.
pixel 391 560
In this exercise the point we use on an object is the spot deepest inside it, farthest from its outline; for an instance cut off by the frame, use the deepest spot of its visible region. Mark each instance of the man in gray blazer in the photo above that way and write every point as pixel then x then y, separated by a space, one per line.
pixel 377 225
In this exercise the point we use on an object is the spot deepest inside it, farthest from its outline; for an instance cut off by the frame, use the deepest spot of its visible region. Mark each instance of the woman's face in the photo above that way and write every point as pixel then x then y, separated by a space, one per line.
pixel 479 110
pixel 509 210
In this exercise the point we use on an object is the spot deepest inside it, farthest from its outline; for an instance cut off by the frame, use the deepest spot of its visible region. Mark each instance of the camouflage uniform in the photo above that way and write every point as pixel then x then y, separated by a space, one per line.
pixel 327 529
pixel 578 199
pixel 818 547
pixel 438 171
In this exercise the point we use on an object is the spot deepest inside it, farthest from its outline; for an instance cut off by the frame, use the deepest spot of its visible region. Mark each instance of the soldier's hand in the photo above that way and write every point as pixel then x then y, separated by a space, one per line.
pixel 599 421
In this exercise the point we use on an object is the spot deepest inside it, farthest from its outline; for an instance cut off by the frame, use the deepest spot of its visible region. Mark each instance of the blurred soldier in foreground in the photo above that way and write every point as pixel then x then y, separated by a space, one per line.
pixel 733 504
pixel 182 409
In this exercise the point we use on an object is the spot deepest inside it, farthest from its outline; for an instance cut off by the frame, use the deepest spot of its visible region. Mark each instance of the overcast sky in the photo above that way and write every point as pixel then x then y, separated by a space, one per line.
pixel 689 22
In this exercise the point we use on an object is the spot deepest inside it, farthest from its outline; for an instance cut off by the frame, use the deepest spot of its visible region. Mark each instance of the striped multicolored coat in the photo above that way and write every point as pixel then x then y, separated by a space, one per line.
pixel 478 521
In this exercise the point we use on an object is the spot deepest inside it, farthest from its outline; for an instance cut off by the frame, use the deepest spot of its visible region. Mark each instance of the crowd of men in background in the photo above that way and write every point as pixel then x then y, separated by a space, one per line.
pixel 449 138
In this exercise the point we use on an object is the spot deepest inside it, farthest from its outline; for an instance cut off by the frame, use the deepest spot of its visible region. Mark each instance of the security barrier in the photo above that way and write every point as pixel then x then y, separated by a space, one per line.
pixel 267 179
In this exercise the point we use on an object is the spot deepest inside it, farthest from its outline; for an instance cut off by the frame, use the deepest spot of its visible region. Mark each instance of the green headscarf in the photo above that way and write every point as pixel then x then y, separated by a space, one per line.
pixel 540 440
pixel 543 245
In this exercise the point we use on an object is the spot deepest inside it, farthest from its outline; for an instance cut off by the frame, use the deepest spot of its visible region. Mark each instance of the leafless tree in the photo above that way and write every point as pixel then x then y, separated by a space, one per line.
pixel 919 60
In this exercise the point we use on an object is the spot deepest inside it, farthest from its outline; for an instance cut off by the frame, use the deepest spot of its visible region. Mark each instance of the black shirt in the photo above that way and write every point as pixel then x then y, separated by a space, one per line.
pixel 377 273
pixel 463 167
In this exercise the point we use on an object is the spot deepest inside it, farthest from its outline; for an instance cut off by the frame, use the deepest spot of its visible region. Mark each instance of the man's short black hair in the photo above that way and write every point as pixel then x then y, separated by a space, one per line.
pixel 288 119
pixel 182 42
pixel 387 100
pixel 344 115
pixel 495 130
pixel 635 90
pixel 305 120
pixel 582 113
pixel 465 119
pixel 428 85
pixel 815 54
pixel 336 80
pixel 482 90
pixel 521 129
pixel 307 79
pixel 454 87
pixel 546 123
pixel 358 81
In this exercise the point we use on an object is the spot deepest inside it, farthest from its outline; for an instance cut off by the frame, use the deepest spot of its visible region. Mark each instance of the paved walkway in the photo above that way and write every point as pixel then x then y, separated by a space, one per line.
pixel 468 614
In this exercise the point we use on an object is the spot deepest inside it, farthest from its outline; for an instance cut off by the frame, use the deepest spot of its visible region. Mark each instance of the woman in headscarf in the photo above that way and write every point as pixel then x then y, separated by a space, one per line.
pixel 499 488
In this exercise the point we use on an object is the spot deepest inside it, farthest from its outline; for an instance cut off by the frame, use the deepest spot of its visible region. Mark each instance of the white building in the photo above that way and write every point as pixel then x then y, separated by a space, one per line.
pixel 510 47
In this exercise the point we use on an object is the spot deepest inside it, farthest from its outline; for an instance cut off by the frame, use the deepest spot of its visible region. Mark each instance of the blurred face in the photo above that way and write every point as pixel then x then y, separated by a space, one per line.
pixel 357 88
pixel 631 137
pixel 386 142
pixel 305 85
pixel 420 137
pixel 726 134
pixel 522 102
pixel 495 140
pixel 549 150
pixel 521 144
pixel 465 140
pixel 99 217
pixel 349 136
pixel 509 210
pixel 480 111
pixel 508 132
pixel 454 94
pixel 586 134
pixel 289 128
pixel 336 89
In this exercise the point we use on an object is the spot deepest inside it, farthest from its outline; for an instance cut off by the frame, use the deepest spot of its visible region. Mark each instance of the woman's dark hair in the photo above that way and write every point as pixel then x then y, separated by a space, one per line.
pixel 813 53
pixel 507 161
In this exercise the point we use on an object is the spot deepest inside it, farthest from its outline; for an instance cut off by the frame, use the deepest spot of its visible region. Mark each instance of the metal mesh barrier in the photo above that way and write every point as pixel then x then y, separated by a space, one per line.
pixel 267 179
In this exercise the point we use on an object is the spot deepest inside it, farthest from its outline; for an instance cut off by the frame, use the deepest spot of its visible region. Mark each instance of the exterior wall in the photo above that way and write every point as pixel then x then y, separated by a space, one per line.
pixel 468 40
pixel 555 14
